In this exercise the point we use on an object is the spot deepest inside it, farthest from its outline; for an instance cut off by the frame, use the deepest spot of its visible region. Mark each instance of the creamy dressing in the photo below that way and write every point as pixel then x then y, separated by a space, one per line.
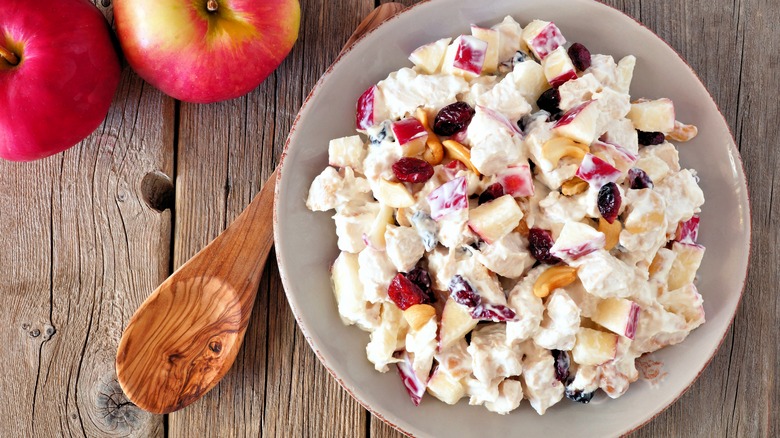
pixel 489 337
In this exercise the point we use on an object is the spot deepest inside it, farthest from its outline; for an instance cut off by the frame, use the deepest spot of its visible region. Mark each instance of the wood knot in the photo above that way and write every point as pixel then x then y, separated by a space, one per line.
pixel 48 332
pixel 116 411
pixel 157 191
pixel 215 346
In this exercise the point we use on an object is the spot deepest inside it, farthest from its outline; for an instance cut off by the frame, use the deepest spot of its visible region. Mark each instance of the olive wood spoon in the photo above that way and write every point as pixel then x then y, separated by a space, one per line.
pixel 185 337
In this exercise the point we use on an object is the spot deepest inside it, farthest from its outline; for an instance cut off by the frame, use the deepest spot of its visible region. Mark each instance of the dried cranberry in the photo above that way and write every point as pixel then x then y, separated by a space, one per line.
pixel 639 179
pixel 422 279
pixel 452 118
pixel 539 243
pixel 549 101
pixel 580 56
pixel 561 365
pixel 404 293
pixel 493 191
pixel 412 170
pixel 462 292
pixel 578 395
pixel 650 138
pixel 609 201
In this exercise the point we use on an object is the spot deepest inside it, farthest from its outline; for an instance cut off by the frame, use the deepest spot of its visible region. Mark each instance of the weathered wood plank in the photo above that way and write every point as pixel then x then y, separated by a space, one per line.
pixel 277 387
pixel 81 250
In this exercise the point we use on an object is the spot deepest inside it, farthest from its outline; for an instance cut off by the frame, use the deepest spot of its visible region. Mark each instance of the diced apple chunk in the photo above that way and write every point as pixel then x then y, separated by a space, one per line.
pixel 517 181
pixel 594 347
pixel 558 67
pixel 490 36
pixel 428 58
pixel 411 135
pixel 418 315
pixel 465 56
pixel 456 322
pixel 542 38
pixel 685 264
pixel 348 289
pixel 495 219
pixel 653 115
pixel 618 315
pixel 446 388
pixel 686 302
pixel 596 171
pixel 368 105
pixel 414 386
pixel 576 240
pixel 346 152
pixel 375 238
pixel 688 231
pixel 394 194
pixel 579 123
pixel 448 198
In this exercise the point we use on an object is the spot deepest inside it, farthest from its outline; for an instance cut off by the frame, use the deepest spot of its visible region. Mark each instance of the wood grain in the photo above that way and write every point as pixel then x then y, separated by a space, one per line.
pixel 79 260
pixel 80 251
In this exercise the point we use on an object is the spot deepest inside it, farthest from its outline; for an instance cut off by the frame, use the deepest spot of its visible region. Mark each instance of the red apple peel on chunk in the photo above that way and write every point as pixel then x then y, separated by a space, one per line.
pixel 414 386
pixel 448 198
pixel 596 171
pixel 688 231
pixel 364 116
pixel 470 54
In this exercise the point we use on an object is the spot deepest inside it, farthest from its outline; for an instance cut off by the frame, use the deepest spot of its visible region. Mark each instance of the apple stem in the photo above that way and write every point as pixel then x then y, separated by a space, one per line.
pixel 212 5
pixel 9 56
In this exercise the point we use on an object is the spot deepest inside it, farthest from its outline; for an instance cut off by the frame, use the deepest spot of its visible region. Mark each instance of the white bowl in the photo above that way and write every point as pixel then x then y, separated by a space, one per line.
pixel 306 241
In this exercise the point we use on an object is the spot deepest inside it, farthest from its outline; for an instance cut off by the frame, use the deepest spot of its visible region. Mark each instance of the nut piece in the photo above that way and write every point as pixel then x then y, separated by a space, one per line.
pixel 558 147
pixel 682 132
pixel 459 152
pixel 523 229
pixel 418 315
pixel 434 151
pixel 401 217
pixel 574 186
pixel 611 231
pixel 553 278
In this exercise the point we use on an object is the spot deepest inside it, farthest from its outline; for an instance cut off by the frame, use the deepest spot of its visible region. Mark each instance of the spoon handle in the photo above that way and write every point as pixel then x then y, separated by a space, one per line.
pixel 238 255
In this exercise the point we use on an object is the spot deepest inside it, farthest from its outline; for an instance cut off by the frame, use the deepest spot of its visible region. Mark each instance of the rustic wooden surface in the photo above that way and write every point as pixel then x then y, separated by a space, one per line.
pixel 83 243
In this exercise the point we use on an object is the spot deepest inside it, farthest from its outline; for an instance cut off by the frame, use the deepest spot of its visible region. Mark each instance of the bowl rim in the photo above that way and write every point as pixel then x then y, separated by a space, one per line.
pixel 286 281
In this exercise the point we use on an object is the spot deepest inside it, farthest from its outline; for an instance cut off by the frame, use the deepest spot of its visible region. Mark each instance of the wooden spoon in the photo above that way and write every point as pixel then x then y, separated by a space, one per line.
pixel 185 337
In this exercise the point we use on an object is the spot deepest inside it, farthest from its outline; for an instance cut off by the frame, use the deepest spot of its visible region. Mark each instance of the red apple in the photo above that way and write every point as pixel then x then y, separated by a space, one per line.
pixel 206 50
pixel 58 74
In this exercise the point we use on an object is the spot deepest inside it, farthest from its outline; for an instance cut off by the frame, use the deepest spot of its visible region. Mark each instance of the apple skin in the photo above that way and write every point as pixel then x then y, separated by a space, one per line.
pixel 198 56
pixel 62 87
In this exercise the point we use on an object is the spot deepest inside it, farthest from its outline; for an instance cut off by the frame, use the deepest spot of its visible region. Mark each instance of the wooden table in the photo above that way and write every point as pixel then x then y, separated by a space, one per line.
pixel 87 234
